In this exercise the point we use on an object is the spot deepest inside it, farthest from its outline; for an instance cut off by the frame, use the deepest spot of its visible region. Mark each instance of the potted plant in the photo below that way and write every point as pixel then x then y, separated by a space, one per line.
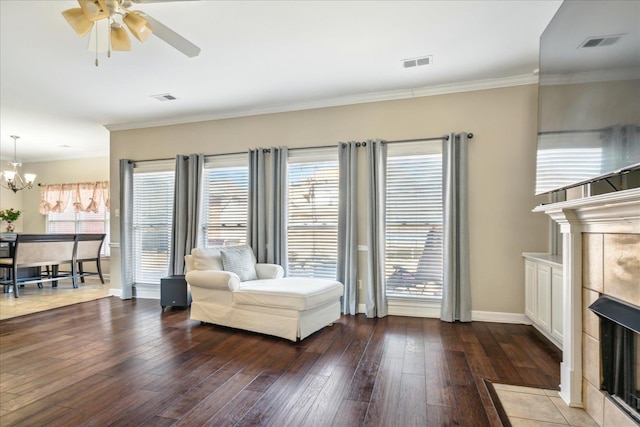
pixel 10 216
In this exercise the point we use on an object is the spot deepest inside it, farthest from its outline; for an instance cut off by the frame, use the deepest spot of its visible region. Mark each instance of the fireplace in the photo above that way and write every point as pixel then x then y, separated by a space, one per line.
pixel 601 257
pixel 619 355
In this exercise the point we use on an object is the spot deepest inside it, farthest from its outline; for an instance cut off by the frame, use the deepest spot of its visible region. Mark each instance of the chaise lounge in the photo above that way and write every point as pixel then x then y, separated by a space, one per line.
pixel 229 288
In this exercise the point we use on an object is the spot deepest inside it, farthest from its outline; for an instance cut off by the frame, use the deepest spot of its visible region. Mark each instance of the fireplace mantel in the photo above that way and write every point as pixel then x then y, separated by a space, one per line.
pixel 606 213
pixel 617 212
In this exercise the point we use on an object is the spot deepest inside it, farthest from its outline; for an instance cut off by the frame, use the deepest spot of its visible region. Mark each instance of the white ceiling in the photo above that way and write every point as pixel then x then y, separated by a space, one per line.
pixel 257 56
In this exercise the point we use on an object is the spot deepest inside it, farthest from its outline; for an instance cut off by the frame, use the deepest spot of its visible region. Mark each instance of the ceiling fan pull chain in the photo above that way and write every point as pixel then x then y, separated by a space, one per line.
pixel 97 35
pixel 109 38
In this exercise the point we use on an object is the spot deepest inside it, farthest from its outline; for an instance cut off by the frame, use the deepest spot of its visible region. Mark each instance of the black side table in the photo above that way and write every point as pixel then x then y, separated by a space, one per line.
pixel 174 292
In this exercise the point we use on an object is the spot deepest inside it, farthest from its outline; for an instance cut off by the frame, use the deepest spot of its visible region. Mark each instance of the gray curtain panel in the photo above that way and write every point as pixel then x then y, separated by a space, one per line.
pixel 277 232
pixel 126 228
pixel 186 210
pixel 376 303
pixel 456 293
pixel 196 168
pixel 348 226
pixel 257 210
pixel 179 226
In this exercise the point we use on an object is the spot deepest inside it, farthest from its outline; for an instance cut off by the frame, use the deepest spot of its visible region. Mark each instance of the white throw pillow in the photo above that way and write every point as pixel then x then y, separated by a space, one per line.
pixel 206 258
pixel 241 262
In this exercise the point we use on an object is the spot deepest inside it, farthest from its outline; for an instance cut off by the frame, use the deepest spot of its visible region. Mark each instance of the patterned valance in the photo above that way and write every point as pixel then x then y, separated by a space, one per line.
pixel 85 196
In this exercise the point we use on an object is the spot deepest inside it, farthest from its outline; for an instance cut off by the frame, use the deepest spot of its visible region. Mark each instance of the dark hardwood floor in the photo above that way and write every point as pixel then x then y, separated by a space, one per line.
pixel 126 363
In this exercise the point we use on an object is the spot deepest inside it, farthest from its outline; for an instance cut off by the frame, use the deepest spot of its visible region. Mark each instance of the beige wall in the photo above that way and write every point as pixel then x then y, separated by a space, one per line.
pixel 54 172
pixel 58 172
pixel 501 166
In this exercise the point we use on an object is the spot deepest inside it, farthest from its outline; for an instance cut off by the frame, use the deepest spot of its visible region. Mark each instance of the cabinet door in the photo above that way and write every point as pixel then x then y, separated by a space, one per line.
pixel 530 290
pixel 556 303
pixel 543 281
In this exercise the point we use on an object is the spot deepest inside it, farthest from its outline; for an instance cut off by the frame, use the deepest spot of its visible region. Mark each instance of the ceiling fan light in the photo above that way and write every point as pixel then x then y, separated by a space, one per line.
pixel 78 21
pixel 138 26
pixel 94 10
pixel 119 38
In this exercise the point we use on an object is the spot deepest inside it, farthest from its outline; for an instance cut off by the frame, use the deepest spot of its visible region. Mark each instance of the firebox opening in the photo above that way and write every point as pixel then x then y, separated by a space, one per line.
pixel 619 343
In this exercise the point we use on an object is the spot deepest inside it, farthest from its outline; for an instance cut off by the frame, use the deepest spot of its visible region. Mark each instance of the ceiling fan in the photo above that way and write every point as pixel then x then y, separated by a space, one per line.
pixel 117 14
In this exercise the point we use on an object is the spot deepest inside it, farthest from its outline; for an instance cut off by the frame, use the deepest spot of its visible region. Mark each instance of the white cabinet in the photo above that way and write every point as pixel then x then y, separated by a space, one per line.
pixel 543 283
pixel 530 290
pixel 556 306
pixel 543 294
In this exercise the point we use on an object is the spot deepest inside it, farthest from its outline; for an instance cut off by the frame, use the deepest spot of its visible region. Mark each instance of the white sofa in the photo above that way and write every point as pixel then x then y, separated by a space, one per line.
pixel 291 308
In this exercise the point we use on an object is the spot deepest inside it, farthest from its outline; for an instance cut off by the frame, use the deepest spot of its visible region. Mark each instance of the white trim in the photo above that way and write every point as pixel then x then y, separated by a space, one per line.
pixel 341 101
pixel 115 292
pixel 416 308
pixel 363 248
pixel 146 292
pixel 114 245
pixel 499 317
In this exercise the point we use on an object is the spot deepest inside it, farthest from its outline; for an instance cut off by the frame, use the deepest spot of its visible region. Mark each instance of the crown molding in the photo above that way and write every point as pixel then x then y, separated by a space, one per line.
pixel 339 101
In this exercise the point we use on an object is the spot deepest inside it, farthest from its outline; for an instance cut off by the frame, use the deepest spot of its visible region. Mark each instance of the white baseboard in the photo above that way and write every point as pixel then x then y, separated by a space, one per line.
pixel 146 293
pixel 138 292
pixel 498 317
pixel 432 310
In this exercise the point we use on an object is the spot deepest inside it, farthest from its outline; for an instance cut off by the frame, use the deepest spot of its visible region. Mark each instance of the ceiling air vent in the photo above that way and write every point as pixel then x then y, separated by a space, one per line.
pixel 601 41
pixel 164 97
pixel 417 62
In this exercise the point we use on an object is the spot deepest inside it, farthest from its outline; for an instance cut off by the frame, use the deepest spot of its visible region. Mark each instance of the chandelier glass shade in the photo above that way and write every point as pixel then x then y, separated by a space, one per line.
pixel 12 179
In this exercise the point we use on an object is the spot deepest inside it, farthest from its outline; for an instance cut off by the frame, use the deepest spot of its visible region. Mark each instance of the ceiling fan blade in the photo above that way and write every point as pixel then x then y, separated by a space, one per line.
pixel 172 38
pixel 156 1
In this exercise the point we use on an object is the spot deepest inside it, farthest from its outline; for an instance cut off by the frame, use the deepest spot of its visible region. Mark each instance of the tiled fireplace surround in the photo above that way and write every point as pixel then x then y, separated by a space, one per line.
pixel 601 255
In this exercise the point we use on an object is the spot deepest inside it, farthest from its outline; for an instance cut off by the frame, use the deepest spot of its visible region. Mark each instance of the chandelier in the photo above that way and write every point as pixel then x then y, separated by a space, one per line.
pixel 14 181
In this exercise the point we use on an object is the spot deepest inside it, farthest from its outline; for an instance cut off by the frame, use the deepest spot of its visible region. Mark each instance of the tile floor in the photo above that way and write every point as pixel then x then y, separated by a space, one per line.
pixel 535 407
pixel 32 299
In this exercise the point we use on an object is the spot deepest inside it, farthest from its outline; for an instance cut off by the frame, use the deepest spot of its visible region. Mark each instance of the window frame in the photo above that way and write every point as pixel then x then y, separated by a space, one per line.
pixel 430 238
pixel 225 161
pixel 77 221
pixel 157 167
pixel 314 157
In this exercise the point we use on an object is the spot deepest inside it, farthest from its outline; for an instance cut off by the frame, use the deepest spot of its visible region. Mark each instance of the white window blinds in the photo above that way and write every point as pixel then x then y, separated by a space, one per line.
pixel 312 229
pixel 224 200
pixel 414 260
pixel 152 217
pixel 70 222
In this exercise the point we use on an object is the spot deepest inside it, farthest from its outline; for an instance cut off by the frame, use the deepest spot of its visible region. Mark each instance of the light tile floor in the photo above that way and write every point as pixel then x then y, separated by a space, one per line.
pixel 33 299
pixel 535 407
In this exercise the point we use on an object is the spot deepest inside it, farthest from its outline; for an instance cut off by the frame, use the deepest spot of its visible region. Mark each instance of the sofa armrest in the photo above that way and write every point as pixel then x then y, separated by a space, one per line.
pixel 269 271
pixel 213 279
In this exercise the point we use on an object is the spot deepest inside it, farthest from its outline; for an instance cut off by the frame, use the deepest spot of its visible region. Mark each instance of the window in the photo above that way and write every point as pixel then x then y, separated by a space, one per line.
pixel 414 260
pixel 224 201
pixel 152 218
pixel 312 229
pixel 72 222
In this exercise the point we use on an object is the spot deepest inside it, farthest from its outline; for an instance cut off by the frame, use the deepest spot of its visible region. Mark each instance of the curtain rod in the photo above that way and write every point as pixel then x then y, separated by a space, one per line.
pixel 364 143
pixel 266 150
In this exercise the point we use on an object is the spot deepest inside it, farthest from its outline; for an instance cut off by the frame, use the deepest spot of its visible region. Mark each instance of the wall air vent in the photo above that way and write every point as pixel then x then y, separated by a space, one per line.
pixel 417 62
pixel 601 41
pixel 164 97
